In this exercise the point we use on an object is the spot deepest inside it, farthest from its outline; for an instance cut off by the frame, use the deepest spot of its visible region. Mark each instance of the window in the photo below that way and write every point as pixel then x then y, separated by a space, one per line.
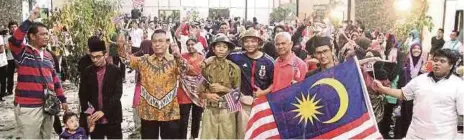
pixel 458 20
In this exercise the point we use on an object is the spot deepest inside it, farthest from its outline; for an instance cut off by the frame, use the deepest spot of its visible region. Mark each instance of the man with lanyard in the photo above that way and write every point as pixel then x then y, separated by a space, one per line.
pixel 257 73
pixel 36 75
pixel 438 99
pixel 158 107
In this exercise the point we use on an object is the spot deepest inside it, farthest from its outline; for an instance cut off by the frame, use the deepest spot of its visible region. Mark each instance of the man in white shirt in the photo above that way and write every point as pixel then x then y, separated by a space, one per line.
pixel 3 69
pixel 136 35
pixel 438 99
pixel 12 26
pixel 151 29
pixel 454 43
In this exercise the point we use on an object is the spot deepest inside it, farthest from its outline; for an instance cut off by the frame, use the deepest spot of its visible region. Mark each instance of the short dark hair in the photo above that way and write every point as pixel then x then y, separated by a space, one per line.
pixel 191 39
pixel 279 26
pixel 34 29
pixel 223 23
pixel 159 31
pixel 11 23
pixel 316 42
pixel 68 115
pixel 453 56
pixel 441 29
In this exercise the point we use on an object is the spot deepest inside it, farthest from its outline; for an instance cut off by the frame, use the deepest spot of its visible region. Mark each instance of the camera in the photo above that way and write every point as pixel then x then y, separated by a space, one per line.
pixel 3 32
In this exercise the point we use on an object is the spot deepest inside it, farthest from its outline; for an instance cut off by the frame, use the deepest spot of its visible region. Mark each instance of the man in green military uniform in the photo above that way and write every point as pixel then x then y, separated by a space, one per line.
pixel 221 77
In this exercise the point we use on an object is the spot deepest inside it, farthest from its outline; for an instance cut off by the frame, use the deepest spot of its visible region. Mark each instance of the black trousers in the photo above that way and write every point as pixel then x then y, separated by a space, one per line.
pixel 10 74
pixel 402 124
pixel 384 124
pixel 135 49
pixel 83 122
pixel 184 119
pixel 153 129
pixel 111 131
pixel 3 75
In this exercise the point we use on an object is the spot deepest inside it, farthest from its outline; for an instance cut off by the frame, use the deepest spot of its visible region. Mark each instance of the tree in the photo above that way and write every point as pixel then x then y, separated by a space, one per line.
pixel 283 12
pixel 416 19
pixel 83 18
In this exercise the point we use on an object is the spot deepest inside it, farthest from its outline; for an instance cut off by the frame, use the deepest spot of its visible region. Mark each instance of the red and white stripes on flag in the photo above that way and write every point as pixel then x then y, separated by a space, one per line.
pixel 137 3
pixel 233 101
pixel 262 126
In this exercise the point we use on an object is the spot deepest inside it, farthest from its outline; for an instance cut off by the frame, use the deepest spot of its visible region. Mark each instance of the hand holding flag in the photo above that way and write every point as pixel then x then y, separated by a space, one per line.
pixel 233 100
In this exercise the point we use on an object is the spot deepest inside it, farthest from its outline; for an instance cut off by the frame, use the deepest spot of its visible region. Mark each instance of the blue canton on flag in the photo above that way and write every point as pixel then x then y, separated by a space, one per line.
pixel 332 104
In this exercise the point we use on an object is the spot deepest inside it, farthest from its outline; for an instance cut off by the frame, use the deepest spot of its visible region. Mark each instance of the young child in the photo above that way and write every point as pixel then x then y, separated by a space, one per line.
pixel 72 129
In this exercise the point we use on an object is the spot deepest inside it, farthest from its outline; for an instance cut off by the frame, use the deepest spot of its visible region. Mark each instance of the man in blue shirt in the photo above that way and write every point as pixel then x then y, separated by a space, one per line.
pixel 257 70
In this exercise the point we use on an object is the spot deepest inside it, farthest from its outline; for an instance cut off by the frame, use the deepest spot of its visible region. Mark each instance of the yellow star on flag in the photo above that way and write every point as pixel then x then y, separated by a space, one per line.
pixel 307 109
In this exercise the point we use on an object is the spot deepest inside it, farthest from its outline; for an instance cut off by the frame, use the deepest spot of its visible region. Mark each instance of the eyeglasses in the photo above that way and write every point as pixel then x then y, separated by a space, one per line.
pixel 325 52
pixel 97 57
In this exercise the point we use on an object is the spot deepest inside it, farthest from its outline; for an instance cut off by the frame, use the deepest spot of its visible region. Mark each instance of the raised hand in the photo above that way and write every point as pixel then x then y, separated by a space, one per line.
pixel 34 14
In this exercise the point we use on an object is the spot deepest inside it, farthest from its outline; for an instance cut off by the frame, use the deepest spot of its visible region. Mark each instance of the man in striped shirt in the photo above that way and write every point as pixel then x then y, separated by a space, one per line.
pixel 35 71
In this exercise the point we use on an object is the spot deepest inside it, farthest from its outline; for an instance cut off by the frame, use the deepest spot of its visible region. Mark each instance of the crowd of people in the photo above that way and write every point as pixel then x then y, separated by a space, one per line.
pixel 190 68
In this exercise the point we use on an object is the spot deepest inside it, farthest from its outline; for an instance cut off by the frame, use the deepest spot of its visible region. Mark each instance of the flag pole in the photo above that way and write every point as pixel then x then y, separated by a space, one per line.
pixel 365 92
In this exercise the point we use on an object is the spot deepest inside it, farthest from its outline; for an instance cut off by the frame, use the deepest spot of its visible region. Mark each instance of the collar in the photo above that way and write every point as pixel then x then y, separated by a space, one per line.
pixel 432 76
pixel 288 60
pixel 41 51
pixel 166 57
pixel 246 55
pixel 33 48
pixel 101 68
pixel 219 63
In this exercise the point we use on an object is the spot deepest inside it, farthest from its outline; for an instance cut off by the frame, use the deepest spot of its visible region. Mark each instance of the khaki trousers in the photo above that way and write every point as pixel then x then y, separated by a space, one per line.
pixel 33 123
pixel 218 123
pixel 242 120
pixel 137 121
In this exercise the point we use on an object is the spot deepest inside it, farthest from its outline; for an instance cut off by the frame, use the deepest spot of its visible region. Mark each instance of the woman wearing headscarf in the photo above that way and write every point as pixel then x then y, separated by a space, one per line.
pixel 412 68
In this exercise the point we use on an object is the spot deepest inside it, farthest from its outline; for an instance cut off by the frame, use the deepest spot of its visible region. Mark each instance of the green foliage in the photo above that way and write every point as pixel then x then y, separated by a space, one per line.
pixel 192 14
pixel 283 12
pixel 416 19
pixel 83 18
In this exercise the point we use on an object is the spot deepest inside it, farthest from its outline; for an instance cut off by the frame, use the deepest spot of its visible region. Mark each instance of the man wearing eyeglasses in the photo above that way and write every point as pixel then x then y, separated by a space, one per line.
pixel 101 91
pixel 322 51
pixel 158 107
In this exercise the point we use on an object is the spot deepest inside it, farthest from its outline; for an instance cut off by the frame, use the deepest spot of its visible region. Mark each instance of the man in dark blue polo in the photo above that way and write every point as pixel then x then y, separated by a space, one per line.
pixel 257 70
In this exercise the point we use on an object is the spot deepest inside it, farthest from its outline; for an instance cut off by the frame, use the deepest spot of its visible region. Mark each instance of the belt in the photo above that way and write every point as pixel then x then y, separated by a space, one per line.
pixel 220 104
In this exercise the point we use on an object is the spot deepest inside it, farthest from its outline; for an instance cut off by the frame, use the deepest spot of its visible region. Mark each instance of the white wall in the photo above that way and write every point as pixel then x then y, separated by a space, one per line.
pixel 436 12
pixel 256 8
